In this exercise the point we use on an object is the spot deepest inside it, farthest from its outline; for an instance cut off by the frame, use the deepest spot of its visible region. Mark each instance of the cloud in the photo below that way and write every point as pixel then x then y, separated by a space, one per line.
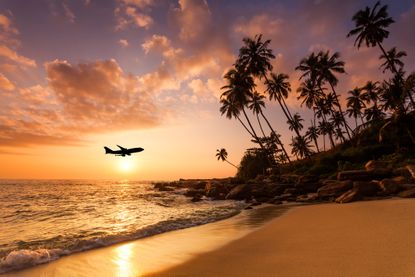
pixel 5 84
pixel 12 55
pixel 6 25
pixel 160 44
pixel 260 24
pixel 194 17
pixel 133 12
pixel 123 42
pixel 68 12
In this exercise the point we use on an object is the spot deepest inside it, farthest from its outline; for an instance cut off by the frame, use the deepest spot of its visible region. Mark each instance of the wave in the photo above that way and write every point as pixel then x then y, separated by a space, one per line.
pixel 24 258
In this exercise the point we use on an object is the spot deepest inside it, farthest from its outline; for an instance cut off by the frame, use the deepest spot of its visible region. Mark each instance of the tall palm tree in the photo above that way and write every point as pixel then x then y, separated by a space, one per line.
pixel 256 104
pixel 255 56
pixel 232 110
pixel 222 154
pixel 371 92
pixel 278 88
pixel 312 134
pixel 355 104
pixel 328 66
pixel 327 128
pixel 392 60
pixel 309 93
pixel 239 90
pixel 301 147
pixel 295 122
pixel 371 27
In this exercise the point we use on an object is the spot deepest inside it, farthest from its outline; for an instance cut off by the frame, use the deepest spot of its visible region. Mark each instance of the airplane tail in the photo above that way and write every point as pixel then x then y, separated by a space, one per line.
pixel 107 150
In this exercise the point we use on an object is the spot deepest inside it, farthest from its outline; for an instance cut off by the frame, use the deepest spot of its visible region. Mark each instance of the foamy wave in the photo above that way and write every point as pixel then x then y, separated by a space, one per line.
pixel 19 259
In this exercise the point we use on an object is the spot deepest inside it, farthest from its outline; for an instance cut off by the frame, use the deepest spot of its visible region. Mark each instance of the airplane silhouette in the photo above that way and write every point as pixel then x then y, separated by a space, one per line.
pixel 123 151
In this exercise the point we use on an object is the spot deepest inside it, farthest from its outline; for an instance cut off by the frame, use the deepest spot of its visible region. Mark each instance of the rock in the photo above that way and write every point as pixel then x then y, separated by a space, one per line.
pixel 275 202
pixel 333 188
pixel 391 185
pixel 411 169
pixel 349 196
pixel 372 164
pixel 290 191
pixel 285 197
pixel 406 186
pixel 196 184
pixel 196 198
pixel 248 208
pixel 240 192
pixel 364 175
pixel 310 197
pixel 217 190
pixel 366 188
pixel 289 178
pixel 410 193
pixel 194 192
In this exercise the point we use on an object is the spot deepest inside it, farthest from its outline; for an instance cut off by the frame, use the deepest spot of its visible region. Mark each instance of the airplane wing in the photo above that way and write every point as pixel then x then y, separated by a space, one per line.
pixel 122 148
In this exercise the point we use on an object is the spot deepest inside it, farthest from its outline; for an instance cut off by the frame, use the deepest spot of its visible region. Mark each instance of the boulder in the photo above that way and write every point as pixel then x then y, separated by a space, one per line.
pixel 365 188
pixel 410 193
pixel 290 190
pixel 391 185
pixel 216 190
pixel 372 164
pixel 285 197
pixel 196 198
pixel 406 186
pixel 309 197
pixel 332 188
pixel 196 184
pixel 349 196
pixel 290 178
pixel 194 192
pixel 240 192
pixel 364 175
pixel 411 170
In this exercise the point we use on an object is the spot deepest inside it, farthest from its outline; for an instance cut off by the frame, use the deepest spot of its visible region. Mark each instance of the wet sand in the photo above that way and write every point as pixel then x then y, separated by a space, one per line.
pixel 152 254
pixel 372 238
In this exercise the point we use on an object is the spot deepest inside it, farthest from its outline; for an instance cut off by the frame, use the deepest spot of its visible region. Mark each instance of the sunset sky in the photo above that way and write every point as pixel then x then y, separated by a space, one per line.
pixel 77 75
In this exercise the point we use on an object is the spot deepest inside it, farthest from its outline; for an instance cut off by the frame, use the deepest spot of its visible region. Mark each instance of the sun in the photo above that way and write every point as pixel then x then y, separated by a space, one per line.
pixel 126 165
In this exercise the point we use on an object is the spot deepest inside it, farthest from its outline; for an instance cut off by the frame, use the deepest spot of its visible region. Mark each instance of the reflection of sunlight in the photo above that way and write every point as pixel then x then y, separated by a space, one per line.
pixel 125 262
pixel 126 165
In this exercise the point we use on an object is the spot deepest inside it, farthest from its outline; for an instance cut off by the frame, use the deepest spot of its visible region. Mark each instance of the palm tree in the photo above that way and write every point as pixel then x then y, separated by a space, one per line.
pixel 355 104
pixel 374 113
pixel 256 104
pixel 312 134
pixel 278 88
pixel 255 56
pixel 371 27
pixel 239 90
pixel 295 123
pixel 309 67
pixel 328 66
pixel 309 93
pixel 326 128
pixel 232 110
pixel 222 154
pixel 371 92
pixel 392 60
pixel 300 147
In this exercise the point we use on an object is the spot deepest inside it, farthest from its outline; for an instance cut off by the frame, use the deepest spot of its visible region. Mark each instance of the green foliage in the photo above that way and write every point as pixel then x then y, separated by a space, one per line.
pixel 253 163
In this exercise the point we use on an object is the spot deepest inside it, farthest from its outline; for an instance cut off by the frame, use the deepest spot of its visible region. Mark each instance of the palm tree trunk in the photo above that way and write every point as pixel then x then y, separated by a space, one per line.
pixel 355 121
pixel 387 57
pixel 252 128
pixel 231 164
pixel 260 126
pixel 246 128
pixel 324 142
pixel 277 138
pixel 346 126
pixel 315 142
pixel 361 119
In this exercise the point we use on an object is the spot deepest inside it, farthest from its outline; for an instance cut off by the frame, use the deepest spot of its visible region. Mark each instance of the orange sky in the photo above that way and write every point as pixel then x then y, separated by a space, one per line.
pixel 79 75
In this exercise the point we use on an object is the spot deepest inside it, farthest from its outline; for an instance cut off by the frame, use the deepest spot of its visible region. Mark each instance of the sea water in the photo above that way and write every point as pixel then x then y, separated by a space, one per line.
pixel 42 220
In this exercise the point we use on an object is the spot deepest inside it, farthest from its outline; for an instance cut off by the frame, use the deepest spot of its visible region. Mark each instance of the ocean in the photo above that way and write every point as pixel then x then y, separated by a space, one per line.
pixel 42 220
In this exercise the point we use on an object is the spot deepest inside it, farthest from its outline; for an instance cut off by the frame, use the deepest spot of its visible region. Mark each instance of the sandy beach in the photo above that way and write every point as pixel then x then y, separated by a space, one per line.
pixel 372 238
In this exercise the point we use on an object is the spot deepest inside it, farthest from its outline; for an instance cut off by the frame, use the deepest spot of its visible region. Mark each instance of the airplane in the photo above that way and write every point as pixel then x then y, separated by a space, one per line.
pixel 123 151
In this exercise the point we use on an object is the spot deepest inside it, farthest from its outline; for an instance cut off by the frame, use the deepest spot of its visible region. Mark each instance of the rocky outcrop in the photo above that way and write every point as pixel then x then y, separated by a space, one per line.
pixel 410 193
pixel 333 188
pixel 391 185
pixel 349 196
pixel 372 164
pixel 364 188
pixel 364 175
pixel 240 192
pixel 411 170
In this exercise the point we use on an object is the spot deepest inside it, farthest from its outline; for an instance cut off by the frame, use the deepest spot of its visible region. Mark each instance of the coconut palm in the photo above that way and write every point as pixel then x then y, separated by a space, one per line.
pixel 300 147
pixel 231 110
pixel 374 113
pixel 327 128
pixel 295 123
pixel 312 134
pixel 309 67
pixel 256 103
pixel 355 104
pixel 371 92
pixel 309 93
pixel 238 91
pixel 392 60
pixel 255 56
pixel 371 27
pixel 222 154
pixel 278 88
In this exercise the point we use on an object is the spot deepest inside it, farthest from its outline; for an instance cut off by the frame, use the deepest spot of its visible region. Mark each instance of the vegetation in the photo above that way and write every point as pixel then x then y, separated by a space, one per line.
pixel 222 154
pixel 383 112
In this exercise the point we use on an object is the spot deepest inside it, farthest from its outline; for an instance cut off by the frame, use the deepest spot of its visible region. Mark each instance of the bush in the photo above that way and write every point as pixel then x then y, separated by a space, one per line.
pixel 253 163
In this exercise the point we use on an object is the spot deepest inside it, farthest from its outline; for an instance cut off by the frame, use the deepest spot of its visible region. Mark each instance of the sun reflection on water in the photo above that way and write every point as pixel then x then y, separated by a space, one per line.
pixel 125 261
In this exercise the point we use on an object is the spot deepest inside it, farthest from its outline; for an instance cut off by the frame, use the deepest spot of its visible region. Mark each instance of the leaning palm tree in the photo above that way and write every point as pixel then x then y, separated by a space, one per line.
pixel 231 110
pixel 238 90
pixel 392 60
pixel 371 27
pixel 278 88
pixel 222 154
pixel 355 104
pixel 371 92
pixel 312 134
pixel 295 123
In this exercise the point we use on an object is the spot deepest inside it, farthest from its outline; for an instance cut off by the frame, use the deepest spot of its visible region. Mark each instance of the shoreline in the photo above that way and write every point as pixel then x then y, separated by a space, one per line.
pixel 150 254
pixel 369 238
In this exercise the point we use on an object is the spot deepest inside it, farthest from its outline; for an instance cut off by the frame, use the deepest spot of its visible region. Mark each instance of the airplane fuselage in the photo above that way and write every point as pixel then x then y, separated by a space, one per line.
pixel 123 151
